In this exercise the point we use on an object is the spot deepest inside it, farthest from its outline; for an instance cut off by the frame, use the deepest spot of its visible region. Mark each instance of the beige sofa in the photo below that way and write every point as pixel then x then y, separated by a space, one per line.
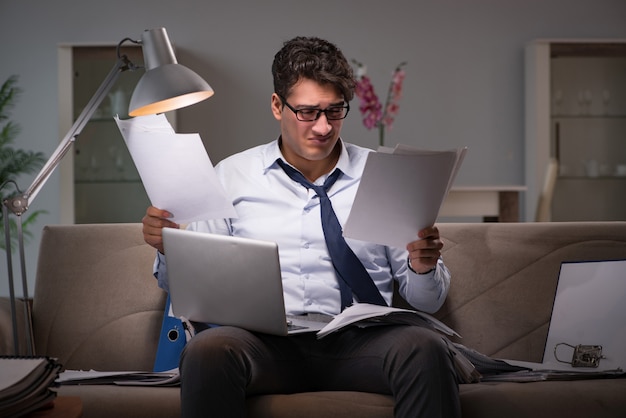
pixel 97 306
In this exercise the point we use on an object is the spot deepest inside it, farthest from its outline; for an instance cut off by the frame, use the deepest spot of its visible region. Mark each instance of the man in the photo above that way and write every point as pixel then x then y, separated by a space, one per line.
pixel 313 85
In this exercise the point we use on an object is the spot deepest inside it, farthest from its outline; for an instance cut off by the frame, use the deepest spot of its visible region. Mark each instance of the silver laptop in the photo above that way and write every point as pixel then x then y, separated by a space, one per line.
pixel 588 317
pixel 227 280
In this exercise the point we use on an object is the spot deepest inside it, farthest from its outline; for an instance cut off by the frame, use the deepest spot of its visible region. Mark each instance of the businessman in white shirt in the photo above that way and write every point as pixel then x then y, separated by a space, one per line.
pixel 275 189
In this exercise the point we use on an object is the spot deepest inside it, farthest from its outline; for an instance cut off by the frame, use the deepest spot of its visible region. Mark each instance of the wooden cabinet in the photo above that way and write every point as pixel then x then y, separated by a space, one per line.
pixel 576 113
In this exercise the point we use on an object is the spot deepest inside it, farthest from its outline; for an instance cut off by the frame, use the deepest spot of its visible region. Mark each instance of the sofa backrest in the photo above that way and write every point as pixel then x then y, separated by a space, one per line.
pixel 97 305
pixel 504 278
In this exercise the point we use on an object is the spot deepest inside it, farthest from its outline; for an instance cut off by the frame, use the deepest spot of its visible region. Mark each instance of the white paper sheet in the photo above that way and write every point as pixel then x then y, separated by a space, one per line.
pixel 401 193
pixel 360 312
pixel 175 170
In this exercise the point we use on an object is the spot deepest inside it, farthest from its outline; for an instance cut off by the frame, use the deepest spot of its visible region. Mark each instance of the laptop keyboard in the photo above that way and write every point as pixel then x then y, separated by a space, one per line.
pixel 302 321
pixel 293 327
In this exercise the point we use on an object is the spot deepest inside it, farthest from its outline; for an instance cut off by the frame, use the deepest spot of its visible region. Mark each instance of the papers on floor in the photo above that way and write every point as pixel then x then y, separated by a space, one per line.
pixel 175 170
pixel 119 378
pixel 25 384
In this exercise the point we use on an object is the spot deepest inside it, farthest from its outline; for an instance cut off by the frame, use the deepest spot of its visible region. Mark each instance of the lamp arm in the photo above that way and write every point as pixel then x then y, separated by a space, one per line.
pixel 20 204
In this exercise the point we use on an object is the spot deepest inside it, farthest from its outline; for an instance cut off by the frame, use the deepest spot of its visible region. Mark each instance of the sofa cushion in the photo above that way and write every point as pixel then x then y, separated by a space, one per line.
pixel 589 398
pixel 583 398
pixel 107 401
pixel 96 303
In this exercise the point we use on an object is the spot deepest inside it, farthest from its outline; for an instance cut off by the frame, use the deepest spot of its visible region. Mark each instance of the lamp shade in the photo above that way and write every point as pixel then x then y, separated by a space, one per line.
pixel 166 85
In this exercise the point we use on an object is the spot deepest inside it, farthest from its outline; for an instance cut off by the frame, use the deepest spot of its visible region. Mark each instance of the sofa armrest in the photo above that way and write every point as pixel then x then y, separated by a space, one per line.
pixel 6 326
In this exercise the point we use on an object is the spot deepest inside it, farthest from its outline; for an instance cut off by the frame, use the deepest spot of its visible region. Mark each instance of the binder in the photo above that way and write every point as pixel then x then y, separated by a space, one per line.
pixel 171 341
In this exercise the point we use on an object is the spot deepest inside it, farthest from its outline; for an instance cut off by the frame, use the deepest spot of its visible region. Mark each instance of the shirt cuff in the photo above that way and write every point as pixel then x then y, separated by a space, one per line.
pixel 408 263
pixel 159 270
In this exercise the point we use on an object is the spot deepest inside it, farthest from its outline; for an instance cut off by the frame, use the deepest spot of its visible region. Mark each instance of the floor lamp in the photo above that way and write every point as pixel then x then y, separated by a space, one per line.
pixel 165 86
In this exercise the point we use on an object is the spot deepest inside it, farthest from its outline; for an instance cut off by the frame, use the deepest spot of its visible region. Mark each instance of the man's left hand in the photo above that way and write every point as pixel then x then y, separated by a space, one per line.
pixel 424 252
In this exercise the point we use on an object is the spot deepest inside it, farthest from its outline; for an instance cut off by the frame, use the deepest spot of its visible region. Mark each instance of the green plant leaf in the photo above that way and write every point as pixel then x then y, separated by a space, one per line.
pixel 14 162
pixel 26 222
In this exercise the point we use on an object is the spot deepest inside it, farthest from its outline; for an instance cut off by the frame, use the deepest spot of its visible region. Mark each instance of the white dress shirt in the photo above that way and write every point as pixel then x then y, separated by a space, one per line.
pixel 271 206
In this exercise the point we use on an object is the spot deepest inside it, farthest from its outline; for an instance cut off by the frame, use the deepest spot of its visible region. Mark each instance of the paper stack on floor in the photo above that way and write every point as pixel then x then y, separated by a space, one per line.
pixel 25 384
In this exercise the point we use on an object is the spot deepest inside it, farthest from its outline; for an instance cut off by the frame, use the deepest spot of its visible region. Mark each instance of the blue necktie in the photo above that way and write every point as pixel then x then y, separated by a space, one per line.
pixel 353 276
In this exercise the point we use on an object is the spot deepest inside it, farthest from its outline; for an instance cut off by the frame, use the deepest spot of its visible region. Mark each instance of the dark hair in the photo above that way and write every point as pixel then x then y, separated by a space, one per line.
pixel 315 59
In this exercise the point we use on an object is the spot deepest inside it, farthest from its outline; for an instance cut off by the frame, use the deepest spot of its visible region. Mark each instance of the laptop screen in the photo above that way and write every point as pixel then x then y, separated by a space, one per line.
pixel 588 316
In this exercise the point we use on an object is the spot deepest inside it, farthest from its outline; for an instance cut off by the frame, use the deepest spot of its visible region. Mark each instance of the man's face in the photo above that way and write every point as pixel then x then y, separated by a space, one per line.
pixel 306 144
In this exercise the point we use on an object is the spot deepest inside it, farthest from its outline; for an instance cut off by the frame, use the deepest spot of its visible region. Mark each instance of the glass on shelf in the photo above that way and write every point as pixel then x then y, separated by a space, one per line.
pixel 592 169
pixel 558 102
pixel 606 101
pixel 585 102
pixel 593 102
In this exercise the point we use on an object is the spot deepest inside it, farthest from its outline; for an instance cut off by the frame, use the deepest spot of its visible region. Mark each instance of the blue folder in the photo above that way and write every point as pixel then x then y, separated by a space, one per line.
pixel 171 341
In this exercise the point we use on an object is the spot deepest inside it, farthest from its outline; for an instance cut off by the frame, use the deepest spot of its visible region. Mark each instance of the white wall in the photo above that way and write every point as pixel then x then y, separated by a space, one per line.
pixel 464 83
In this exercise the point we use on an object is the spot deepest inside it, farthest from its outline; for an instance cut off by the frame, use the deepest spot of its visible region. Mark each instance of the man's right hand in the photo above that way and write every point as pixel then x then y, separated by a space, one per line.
pixel 153 223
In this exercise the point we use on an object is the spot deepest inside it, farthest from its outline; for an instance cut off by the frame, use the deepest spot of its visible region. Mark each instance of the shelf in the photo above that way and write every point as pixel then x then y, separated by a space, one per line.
pixel 107 181
pixel 575 111
pixel 578 178
pixel 100 119
pixel 589 117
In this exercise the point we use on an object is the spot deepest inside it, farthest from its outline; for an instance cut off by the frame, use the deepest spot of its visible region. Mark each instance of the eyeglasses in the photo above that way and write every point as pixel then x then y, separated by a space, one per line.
pixel 311 114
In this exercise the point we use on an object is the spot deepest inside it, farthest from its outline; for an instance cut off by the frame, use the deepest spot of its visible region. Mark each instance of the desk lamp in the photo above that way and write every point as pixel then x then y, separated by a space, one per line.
pixel 165 86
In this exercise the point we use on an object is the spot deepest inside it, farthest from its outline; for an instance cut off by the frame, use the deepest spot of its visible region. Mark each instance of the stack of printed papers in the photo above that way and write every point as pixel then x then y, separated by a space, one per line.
pixel 25 384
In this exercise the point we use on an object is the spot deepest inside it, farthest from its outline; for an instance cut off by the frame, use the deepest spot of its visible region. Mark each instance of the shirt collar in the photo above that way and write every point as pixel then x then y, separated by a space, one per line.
pixel 272 153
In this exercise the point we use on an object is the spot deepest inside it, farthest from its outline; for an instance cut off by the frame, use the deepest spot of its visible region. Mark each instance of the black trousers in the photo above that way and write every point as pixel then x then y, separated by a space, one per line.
pixel 221 366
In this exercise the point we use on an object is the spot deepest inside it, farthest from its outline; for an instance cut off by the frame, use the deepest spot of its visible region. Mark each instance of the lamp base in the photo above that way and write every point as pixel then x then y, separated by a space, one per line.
pixel 26 307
